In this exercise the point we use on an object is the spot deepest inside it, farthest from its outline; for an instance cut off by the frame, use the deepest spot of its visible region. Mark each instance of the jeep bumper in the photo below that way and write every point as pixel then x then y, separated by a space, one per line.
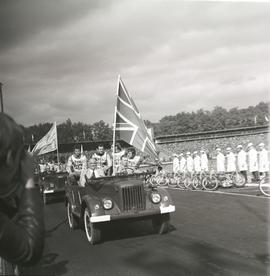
pixel 128 215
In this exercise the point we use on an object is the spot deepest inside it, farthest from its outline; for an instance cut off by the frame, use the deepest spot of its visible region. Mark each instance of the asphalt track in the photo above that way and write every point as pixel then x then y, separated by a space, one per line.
pixel 211 233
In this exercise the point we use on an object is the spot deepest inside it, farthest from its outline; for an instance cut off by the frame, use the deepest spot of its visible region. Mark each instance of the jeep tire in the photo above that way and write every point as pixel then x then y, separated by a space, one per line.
pixel 45 199
pixel 72 219
pixel 161 223
pixel 92 230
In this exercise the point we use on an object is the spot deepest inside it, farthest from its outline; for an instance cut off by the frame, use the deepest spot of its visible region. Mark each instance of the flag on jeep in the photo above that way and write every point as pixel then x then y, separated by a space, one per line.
pixel 129 125
pixel 48 143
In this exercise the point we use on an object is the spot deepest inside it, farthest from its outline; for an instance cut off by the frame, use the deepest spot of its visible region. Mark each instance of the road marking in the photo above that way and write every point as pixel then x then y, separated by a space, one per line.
pixel 220 192
pixel 227 193
pixel 252 185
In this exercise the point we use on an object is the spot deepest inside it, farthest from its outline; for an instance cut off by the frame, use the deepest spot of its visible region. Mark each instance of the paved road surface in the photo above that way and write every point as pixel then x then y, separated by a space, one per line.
pixel 212 233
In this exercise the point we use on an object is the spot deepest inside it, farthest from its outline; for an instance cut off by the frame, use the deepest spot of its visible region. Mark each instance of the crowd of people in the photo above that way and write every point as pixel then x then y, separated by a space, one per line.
pixel 82 168
pixel 253 161
pixel 211 144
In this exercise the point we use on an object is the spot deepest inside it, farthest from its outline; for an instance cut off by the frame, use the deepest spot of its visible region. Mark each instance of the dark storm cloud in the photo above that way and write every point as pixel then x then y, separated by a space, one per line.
pixel 173 56
pixel 20 20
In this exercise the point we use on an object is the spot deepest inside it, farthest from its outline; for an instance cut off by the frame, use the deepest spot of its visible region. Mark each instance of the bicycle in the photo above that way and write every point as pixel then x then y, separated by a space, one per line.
pixel 198 179
pixel 180 180
pixel 264 185
pixel 210 181
pixel 172 180
pixel 188 180
pixel 230 179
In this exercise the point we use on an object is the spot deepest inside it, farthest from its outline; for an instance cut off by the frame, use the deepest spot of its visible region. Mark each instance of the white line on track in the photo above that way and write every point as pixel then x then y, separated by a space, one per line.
pixel 235 194
pixel 220 192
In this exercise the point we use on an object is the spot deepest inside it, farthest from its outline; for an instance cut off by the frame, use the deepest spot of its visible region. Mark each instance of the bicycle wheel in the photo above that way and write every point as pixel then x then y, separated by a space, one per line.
pixel 180 182
pixel 161 181
pixel 210 183
pixel 188 183
pixel 239 180
pixel 196 183
pixel 264 186
pixel 172 182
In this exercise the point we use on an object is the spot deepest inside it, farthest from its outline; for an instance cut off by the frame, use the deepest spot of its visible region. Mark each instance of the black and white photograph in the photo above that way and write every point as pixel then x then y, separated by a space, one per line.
pixel 134 138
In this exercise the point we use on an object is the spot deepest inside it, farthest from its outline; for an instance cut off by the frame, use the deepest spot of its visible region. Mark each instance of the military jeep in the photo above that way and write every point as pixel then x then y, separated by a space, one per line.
pixel 115 198
pixel 52 185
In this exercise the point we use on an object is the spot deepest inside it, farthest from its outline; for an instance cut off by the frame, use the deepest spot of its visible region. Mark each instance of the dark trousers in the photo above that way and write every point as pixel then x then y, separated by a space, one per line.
pixel 256 176
pixel 244 173
pixel 264 174
pixel 73 179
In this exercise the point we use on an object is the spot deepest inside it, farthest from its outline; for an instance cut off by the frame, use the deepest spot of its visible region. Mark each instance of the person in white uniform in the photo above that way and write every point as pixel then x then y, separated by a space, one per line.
pixel 117 155
pixel 103 159
pixel 242 161
pixel 253 162
pixel 231 160
pixel 182 161
pixel 196 162
pixel 189 164
pixel 175 163
pixel 76 163
pixel 263 160
pixel 204 161
pixel 220 161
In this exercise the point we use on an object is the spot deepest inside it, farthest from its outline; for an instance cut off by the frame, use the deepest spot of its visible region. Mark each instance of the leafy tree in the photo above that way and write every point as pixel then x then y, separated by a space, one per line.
pixel 183 122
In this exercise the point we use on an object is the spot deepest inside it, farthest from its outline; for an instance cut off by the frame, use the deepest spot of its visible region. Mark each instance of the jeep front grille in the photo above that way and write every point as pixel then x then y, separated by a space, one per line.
pixel 133 198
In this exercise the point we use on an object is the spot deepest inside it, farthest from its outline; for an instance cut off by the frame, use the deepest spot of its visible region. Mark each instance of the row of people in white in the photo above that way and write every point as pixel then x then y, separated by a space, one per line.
pixel 50 166
pixel 243 161
pixel 197 163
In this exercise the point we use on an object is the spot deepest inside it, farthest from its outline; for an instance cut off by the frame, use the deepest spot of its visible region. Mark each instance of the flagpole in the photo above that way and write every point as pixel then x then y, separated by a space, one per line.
pixel 57 153
pixel 114 126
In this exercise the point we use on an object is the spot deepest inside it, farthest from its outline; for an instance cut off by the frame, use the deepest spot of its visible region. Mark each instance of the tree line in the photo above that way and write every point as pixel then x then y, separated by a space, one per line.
pixel 183 122
pixel 217 119
pixel 70 132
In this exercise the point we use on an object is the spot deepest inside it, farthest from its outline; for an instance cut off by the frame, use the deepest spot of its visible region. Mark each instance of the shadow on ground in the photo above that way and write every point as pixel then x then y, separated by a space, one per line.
pixel 196 259
pixel 49 232
pixel 125 230
pixel 48 266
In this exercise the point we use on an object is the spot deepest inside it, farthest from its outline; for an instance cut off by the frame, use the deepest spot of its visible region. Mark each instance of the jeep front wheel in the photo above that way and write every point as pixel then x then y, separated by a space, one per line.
pixel 161 223
pixel 72 220
pixel 92 231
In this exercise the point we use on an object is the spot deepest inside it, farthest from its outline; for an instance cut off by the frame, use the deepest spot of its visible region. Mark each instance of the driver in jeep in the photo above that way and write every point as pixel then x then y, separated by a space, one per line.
pixel 92 172
pixel 76 163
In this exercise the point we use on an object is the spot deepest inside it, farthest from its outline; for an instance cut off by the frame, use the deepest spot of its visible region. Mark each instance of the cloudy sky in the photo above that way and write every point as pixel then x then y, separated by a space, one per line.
pixel 60 59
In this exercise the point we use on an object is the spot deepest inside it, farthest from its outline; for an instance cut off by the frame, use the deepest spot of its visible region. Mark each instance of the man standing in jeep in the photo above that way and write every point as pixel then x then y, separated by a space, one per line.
pixel 76 163
pixel 103 159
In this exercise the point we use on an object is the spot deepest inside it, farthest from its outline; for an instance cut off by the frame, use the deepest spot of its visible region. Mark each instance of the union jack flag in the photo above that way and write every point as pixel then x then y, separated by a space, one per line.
pixel 129 125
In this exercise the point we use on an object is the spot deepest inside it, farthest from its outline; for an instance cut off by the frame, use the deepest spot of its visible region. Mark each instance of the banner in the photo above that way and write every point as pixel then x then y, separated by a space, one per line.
pixel 129 125
pixel 48 143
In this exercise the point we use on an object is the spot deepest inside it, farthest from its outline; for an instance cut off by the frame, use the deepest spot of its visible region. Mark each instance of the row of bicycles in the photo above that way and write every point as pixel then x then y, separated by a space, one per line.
pixel 208 181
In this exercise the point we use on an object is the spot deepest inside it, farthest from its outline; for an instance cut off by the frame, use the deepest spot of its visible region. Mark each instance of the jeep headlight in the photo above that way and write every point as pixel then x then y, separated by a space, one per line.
pixel 155 197
pixel 107 203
